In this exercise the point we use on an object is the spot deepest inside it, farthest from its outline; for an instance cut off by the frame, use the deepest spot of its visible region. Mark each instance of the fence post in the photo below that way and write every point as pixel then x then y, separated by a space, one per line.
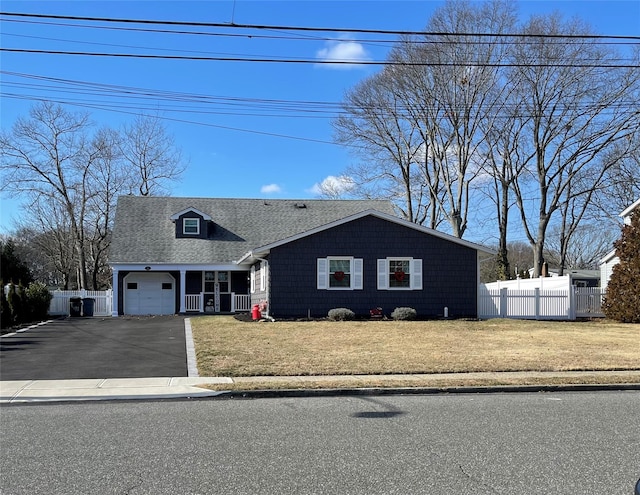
pixel 504 306
pixel 537 303
pixel 572 302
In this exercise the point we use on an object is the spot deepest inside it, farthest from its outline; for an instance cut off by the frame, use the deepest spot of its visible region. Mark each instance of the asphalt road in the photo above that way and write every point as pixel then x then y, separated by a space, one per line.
pixel 542 443
pixel 74 348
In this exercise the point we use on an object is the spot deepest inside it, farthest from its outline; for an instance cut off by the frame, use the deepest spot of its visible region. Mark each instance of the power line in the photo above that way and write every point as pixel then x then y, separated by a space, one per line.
pixel 319 61
pixel 624 40
pixel 115 96
pixel 311 29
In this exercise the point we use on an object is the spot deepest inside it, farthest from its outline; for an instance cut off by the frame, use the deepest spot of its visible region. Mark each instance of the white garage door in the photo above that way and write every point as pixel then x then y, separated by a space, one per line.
pixel 149 294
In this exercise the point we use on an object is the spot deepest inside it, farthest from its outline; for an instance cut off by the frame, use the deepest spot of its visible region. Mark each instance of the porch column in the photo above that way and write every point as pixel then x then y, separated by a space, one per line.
pixel 114 295
pixel 183 278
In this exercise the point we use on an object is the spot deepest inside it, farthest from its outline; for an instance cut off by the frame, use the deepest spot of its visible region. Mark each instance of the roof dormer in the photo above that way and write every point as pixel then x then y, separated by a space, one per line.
pixel 191 223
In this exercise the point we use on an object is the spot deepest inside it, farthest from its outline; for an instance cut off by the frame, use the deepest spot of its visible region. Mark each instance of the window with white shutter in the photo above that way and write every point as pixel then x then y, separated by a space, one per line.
pixel 340 273
pixel 399 274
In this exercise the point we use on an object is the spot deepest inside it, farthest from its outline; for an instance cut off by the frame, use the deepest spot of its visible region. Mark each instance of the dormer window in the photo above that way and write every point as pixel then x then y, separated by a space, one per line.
pixel 191 226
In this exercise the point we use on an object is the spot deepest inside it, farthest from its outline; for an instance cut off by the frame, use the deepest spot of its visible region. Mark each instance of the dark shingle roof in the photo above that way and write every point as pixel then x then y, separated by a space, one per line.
pixel 144 232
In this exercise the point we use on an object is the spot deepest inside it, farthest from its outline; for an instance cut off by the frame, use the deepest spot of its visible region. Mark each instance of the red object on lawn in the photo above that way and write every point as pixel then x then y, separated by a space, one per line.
pixel 255 312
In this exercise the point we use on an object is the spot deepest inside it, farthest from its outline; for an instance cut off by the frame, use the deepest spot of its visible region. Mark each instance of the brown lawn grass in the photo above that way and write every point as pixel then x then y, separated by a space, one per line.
pixel 228 347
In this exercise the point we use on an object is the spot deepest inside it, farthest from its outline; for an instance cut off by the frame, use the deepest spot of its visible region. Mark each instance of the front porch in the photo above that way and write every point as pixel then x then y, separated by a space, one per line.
pixel 206 303
pixel 214 291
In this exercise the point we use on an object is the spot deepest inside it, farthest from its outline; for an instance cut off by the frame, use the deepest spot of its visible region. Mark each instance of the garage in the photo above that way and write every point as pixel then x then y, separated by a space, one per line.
pixel 149 294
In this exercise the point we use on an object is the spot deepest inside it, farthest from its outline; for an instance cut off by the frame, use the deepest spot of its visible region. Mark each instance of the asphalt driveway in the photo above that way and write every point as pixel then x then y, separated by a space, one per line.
pixel 75 348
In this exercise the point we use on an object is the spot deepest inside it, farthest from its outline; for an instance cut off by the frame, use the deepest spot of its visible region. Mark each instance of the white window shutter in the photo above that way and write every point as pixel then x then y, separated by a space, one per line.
pixel 357 273
pixel 263 275
pixel 416 274
pixel 323 273
pixel 382 274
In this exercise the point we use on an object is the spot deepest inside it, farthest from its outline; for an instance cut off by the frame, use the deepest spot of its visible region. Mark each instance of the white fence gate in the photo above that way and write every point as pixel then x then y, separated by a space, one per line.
pixel 102 306
pixel 588 301
pixel 558 300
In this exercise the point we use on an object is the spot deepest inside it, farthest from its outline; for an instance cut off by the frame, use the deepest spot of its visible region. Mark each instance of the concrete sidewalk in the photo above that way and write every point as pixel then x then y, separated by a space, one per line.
pixel 105 389
pixel 29 391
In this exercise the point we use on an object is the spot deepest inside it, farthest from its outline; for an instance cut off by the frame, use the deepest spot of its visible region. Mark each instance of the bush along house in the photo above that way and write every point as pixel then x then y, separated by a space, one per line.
pixel 290 258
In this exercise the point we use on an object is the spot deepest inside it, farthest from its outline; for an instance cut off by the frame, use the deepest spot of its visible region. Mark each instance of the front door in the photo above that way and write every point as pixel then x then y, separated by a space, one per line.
pixel 217 292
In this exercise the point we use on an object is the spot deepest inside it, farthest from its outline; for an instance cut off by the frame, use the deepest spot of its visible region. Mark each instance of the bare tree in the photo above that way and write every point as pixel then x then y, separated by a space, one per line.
pixel 621 183
pixel 69 177
pixel 376 129
pixel 151 154
pixel 436 94
pixel 576 115
pixel 48 157
pixel 582 251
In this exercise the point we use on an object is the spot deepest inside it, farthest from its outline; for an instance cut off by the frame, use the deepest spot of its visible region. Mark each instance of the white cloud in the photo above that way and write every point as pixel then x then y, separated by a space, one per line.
pixel 333 187
pixel 270 189
pixel 343 50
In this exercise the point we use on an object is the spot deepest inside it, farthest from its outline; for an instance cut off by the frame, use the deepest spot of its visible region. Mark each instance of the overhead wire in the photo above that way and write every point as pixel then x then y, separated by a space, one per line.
pixel 173 101
pixel 289 108
pixel 308 28
pixel 321 62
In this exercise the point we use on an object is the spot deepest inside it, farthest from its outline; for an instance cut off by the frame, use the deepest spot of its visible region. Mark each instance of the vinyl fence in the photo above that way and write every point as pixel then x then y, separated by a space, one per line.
pixel 561 302
pixel 102 305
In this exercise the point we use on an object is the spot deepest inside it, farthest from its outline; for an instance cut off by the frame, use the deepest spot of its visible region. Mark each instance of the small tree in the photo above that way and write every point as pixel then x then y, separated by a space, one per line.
pixel 622 302
pixel 38 301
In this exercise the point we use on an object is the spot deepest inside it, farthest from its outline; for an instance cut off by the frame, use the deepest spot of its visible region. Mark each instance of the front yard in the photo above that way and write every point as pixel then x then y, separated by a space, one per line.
pixel 228 347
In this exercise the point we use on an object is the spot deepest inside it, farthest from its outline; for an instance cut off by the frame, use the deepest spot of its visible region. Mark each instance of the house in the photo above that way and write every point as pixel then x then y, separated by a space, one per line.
pixel 296 258
pixel 610 260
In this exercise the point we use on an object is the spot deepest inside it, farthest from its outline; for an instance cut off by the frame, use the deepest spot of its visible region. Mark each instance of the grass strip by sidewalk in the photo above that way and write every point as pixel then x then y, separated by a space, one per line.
pixel 259 383
pixel 228 347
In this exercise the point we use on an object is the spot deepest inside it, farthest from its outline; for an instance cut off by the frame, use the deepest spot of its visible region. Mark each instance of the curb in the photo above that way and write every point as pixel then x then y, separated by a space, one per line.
pixel 346 392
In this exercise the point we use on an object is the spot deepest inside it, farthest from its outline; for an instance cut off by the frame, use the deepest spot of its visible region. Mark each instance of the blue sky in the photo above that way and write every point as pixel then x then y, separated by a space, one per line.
pixel 237 147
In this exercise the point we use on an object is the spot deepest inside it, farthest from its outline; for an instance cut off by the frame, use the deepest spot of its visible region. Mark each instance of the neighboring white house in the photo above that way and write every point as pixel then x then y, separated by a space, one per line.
pixel 610 260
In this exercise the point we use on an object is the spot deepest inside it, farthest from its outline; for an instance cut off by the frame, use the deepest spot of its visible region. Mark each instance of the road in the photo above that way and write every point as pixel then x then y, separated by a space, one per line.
pixel 539 443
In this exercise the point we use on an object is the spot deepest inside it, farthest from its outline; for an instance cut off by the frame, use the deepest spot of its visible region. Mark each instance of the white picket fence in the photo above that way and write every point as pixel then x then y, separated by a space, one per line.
pixel 560 303
pixel 60 304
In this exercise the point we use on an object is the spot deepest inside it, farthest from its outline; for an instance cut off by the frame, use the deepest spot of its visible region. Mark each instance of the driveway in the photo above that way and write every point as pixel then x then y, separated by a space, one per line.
pixel 75 348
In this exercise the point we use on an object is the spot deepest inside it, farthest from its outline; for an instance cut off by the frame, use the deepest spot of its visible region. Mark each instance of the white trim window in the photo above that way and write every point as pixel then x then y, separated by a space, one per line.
pixel 339 273
pixel 191 226
pixel 399 274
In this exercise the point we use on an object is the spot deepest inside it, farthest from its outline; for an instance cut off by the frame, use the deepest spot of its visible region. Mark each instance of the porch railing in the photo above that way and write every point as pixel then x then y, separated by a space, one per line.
pixel 240 303
pixel 193 302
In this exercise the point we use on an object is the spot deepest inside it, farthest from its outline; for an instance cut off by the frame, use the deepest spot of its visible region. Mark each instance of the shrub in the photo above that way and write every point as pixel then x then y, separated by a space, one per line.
pixel 16 303
pixel 404 314
pixel 38 300
pixel 622 302
pixel 341 314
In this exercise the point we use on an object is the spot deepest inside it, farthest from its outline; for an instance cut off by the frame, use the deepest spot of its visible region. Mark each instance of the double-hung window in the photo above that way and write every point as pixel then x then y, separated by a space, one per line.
pixel 339 273
pixel 399 274
pixel 191 226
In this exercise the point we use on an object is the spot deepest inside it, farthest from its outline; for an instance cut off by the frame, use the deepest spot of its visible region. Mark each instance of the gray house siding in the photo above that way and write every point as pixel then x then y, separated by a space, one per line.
pixel 260 292
pixel 449 272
